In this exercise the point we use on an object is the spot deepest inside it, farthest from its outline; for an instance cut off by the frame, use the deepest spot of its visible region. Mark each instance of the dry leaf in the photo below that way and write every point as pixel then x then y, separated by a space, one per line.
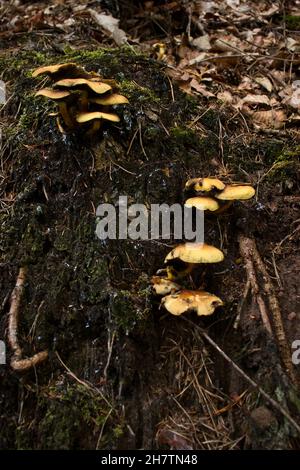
pixel 256 99
pixel 111 26
pixel 201 89
pixel 270 119
pixel 291 95
pixel 225 96
pixel 265 83
pixel 202 43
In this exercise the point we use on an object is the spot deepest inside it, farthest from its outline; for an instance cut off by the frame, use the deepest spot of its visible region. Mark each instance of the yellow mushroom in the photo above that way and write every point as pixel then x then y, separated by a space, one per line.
pixel 95 86
pixel 164 286
pixel 204 184
pixel 195 253
pixel 57 71
pixel 96 118
pixel 110 100
pixel 86 117
pixel 202 203
pixel 202 302
pixel 61 97
pixel 234 192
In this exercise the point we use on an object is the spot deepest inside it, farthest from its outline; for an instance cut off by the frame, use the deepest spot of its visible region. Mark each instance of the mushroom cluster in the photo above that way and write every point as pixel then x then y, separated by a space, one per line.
pixel 213 195
pixel 179 262
pixel 83 98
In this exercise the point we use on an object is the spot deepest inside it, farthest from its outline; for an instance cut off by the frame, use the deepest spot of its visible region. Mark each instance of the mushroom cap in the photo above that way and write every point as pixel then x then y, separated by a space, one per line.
pixel 164 286
pixel 68 68
pixel 111 100
pixel 202 203
pixel 205 184
pixel 86 117
pixel 96 86
pixel 202 302
pixel 195 253
pixel 236 191
pixel 53 94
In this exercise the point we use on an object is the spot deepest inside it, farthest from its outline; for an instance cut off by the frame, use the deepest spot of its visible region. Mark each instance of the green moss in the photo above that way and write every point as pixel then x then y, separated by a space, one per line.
pixel 183 134
pixel 67 416
pixel 32 243
pixel 286 164
pixel 292 22
pixel 137 93
pixel 129 311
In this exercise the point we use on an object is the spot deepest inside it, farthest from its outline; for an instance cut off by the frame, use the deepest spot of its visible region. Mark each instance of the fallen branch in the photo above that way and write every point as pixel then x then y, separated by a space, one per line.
pixel 255 385
pixel 253 260
pixel 17 363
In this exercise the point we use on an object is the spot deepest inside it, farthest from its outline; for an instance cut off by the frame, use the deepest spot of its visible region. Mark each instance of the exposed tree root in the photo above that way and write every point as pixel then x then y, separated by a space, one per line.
pixel 17 363
pixel 269 308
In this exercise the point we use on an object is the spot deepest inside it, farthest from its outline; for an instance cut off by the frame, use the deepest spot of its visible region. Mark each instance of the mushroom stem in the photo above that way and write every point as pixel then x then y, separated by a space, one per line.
pixel 224 207
pixel 94 128
pixel 83 102
pixel 63 109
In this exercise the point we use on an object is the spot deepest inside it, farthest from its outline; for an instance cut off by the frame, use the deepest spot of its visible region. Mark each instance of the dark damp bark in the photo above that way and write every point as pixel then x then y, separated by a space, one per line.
pixel 90 301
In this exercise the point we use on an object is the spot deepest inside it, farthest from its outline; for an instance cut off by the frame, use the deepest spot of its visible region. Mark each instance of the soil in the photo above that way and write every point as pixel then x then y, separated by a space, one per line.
pixel 123 373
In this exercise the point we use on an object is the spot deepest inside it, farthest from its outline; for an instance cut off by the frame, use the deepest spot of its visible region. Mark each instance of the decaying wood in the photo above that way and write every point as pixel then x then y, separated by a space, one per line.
pixel 17 363
pixel 269 308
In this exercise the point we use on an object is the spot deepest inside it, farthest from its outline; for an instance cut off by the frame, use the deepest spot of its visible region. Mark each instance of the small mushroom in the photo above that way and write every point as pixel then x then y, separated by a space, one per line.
pixel 53 94
pixel 202 203
pixel 86 117
pixel 195 253
pixel 96 118
pixel 234 192
pixel 164 286
pixel 58 71
pixel 60 96
pixel 204 184
pixel 95 86
pixel 202 302
pixel 110 100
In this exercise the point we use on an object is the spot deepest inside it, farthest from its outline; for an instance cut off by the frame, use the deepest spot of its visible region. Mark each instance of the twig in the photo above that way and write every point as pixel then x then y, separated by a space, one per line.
pixel 141 140
pixel 171 88
pixel 251 256
pixel 90 387
pixel 246 253
pixel 255 385
pixel 241 305
pixel 110 343
pixel 132 140
pixel 17 363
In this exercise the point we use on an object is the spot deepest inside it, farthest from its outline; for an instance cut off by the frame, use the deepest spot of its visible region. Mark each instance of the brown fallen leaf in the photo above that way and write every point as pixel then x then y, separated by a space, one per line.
pixel 255 99
pixel 267 119
pixel 110 25
pixel 201 89
pixel 291 95
pixel 265 83
pixel 225 96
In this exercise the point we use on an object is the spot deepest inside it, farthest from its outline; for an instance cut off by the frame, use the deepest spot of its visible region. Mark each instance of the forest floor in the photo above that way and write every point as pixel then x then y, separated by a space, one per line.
pixel 213 89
